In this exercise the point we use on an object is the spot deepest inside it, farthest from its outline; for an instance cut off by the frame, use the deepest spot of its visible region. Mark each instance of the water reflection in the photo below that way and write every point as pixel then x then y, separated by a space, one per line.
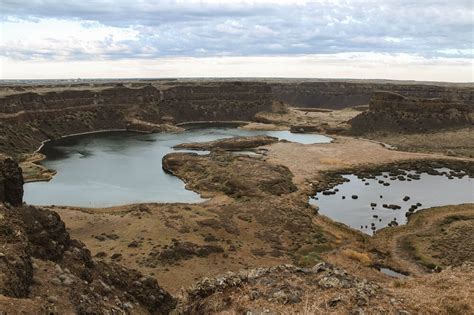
pixel 114 168
pixel 385 200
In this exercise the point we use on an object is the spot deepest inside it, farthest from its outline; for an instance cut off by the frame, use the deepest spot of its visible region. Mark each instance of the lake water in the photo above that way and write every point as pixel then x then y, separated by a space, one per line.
pixel 116 168
pixel 428 190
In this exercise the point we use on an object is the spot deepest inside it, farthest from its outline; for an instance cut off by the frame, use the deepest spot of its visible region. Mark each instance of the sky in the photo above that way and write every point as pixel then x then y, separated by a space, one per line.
pixel 431 40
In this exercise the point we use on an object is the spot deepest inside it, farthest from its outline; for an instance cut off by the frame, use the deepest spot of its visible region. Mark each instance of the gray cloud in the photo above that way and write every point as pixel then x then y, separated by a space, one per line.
pixel 169 28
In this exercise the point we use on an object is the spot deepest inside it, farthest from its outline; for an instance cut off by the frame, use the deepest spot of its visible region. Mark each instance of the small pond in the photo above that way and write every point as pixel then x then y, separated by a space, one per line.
pixel 368 204
pixel 116 168
pixel 391 273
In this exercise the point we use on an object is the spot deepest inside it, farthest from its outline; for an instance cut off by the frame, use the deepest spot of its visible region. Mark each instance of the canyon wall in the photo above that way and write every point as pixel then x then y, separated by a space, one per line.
pixel 27 119
pixel 30 114
pixel 217 101
pixel 340 94
pixel 203 101
pixel 397 113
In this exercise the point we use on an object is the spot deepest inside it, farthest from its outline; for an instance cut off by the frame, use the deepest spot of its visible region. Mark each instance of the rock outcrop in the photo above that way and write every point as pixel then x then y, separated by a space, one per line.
pixel 231 144
pixel 44 271
pixel 326 289
pixel 11 181
pixel 279 286
pixel 230 174
pixel 397 113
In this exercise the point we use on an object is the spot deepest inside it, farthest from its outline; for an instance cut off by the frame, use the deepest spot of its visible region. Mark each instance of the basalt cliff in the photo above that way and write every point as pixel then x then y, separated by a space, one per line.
pixel 341 94
pixel 28 118
pixel 39 259
pixel 397 113
pixel 11 181
pixel 31 114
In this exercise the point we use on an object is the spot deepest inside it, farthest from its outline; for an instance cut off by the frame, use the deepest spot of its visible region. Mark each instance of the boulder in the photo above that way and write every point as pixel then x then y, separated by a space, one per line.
pixel 11 181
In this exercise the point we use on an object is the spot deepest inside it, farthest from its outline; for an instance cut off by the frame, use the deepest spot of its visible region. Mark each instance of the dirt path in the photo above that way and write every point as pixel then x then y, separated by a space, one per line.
pixel 420 224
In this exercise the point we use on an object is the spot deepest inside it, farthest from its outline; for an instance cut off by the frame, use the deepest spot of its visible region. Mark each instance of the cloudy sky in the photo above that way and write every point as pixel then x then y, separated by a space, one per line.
pixel 391 39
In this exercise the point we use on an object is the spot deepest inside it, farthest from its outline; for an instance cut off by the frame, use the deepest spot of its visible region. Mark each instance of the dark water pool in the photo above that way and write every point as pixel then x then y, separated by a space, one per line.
pixel 115 168
pixel 367 213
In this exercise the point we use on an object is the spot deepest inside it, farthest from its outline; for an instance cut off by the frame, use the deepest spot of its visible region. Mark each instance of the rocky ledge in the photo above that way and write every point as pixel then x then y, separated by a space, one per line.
pixel 230 144
pixel 44 271
pixel 41 263
pixel 321 289
pixel 397 113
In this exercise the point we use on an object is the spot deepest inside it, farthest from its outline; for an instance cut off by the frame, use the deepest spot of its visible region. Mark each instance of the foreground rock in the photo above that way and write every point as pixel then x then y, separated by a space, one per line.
pixel 231 144
pixel 277 287
pixel 41 263
pixel 11 181
pixel 326 289
pixel 45 271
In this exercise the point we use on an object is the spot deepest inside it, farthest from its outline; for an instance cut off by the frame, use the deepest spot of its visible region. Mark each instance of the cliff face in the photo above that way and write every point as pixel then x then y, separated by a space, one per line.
pixel 31 114
pixel 38 257
pixel 200 101
pixel 28 118
pixel 11 181
pixel 337 95
pixel 394 112
pixel 216 101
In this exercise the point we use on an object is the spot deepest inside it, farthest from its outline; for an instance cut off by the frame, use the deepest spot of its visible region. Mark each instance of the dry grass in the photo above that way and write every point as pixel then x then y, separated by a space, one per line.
pixel 411 245
pixel 317 305
pixel 34 172
pixel 456 142
pixel 332 161
pixel 362 258
pixel 450 292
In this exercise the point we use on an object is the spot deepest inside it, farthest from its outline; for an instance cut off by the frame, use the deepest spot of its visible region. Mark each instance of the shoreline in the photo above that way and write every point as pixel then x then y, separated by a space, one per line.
pixel 36 162
pixel 235 123
pixel 198 122
pixel 33 171
pixel 79 134
pixel 215 122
